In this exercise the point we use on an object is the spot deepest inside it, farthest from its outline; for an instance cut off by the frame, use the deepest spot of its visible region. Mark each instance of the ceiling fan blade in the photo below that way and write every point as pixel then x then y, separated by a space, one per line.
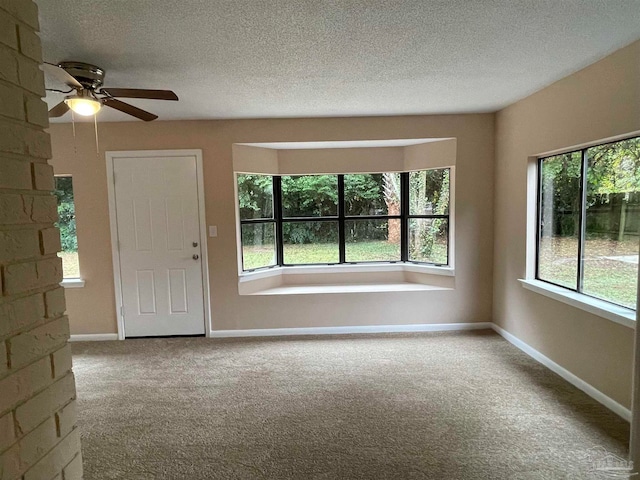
pixel 59 110
pixel 61 74
pixel 129 109
pixel 140 93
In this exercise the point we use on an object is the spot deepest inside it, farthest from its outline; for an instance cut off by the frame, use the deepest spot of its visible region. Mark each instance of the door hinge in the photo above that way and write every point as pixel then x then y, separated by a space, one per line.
pixel 122 311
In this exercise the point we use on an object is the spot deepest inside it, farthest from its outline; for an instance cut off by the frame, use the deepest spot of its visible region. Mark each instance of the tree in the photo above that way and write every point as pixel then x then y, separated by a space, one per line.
pixel 364 195
pixel 428 195
pixel 66 214
pixel 391 188
pixel 614 167
pixel 560 200
pixel 309 196
pixel 613 179
pixel 255 196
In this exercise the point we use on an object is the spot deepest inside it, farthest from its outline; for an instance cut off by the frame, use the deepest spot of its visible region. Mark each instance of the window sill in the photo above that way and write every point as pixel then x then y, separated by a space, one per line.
pixel 72 283
pixel 620 315
pixel 319 279
pixel 347 288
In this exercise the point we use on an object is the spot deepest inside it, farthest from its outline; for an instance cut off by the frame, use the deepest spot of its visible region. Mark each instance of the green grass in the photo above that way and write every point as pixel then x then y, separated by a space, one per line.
pixel 311 253
pixel 255 257
pixel 604 278
pixel 381 251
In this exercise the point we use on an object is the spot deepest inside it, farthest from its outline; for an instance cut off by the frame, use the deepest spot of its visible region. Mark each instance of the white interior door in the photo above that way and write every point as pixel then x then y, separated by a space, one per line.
pixel 159 245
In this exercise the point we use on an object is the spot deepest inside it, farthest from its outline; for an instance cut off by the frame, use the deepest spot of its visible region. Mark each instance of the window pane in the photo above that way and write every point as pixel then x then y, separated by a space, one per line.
pixel 429 192
pixel 372 194
pixel 372 240
pixel 428 240
pixel 560 219
pixel 612 222
pixel 67 225
pixel 255 195
pixel 310 196
pixel 258 245
pixel 310 242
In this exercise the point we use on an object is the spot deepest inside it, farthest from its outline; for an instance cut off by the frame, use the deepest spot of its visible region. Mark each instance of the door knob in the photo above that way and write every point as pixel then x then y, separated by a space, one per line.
pixel 195 244
pixel 196 256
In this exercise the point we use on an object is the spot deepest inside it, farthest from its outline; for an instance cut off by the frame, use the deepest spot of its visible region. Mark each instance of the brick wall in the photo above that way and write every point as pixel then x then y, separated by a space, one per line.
pixel 38 436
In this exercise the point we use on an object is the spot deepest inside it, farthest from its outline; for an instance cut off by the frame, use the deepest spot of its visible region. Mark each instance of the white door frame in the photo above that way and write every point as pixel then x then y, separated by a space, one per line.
pixel 113 221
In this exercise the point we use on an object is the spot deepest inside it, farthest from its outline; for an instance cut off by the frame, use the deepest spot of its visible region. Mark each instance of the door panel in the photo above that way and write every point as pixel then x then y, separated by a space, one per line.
pixel 175 223
pixel 158 241
pixel 178 291
pixel 146 292
pixel 142 224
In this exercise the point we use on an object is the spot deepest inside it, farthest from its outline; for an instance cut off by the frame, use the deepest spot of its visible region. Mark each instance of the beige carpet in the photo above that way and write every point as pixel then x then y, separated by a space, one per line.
pixel 420 406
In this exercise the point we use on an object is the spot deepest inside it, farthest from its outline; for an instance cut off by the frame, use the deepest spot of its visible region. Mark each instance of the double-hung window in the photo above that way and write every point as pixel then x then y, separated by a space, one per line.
pixel 308 218
pixel 344 219
pixel 589 221
pixel 373 224
pixel 428 206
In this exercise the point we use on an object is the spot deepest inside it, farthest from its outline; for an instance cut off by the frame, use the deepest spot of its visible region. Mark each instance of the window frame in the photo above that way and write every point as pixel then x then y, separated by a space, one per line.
pixel 77 281
pixel 255 221
pixel 341 218
pixel 584 164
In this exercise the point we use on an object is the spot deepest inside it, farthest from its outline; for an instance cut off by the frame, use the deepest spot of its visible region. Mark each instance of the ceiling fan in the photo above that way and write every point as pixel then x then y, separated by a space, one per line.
pixel 88 96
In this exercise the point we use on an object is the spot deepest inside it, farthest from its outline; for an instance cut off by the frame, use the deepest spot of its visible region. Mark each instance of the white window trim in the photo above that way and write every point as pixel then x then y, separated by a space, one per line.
pixel 346 268
pixel 617 314
pixel 412 154
pixel 273 281
pixel 72 283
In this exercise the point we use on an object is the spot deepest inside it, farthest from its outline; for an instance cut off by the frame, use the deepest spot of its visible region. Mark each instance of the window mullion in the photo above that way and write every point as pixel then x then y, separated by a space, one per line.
pixel 341 226
pixel 404 214
pixel 277 213
pixel 538 217
pixel 582 219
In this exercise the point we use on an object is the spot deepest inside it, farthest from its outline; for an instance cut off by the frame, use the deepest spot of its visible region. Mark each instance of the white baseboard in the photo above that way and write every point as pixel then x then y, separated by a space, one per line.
pixel 420 327
pixel 593 392
pixel 91 337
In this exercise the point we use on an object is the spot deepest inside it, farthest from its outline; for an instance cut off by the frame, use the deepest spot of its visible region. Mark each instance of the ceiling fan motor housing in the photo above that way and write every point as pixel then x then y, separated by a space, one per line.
pixel 89 76
pixel 87 80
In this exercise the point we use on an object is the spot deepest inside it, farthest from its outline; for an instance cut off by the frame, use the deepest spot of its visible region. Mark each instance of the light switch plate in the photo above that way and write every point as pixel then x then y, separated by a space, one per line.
pixel 213 231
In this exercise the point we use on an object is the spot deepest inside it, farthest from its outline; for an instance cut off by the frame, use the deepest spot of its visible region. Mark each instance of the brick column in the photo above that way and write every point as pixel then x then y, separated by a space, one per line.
pixel 38 436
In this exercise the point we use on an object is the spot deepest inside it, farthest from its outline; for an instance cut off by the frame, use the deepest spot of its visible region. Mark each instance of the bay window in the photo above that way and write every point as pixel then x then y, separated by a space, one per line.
pixel 344 219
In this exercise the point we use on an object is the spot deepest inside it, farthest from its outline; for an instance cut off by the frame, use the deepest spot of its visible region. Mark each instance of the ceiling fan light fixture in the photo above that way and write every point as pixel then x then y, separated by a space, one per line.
pixel 90 96
pixel 84 106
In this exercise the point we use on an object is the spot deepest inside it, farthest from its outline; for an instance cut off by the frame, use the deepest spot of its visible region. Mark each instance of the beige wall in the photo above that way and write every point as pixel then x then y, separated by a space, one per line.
pixel 273 159
pixel 38 434
pixel 598 102
pixel 91 309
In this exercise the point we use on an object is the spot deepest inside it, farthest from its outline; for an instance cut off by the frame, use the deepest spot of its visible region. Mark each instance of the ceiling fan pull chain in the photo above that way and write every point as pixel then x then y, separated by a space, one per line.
pixel 75 143
pixel 95 121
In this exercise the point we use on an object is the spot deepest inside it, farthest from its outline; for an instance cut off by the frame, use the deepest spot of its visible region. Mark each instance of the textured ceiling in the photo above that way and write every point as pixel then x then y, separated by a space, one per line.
pixel 309 58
